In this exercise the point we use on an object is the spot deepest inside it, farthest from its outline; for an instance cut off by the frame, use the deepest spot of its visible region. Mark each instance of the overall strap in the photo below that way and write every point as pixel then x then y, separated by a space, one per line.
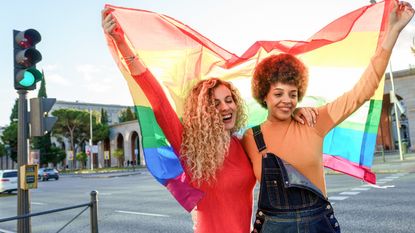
pixel 259 139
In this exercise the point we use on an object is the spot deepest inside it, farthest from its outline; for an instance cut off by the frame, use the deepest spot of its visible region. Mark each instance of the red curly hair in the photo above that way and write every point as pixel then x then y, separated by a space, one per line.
pixel 283 68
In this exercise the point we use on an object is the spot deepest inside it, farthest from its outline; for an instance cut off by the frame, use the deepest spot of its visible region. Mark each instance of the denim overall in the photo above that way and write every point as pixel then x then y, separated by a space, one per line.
pixel 288 201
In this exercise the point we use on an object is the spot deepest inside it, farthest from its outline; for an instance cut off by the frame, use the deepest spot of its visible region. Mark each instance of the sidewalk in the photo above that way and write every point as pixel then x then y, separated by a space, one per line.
pixel 393 163
pixel 107 174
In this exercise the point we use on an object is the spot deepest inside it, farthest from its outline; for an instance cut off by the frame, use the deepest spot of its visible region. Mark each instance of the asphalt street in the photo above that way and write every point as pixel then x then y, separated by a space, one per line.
pixel 135 202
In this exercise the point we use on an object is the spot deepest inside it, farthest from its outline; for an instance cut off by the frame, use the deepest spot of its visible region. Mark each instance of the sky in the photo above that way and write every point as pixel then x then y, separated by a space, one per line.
pixel 77 63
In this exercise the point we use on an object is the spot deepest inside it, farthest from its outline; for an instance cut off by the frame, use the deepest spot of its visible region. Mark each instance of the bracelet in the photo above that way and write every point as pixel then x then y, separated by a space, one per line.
pixel 130 59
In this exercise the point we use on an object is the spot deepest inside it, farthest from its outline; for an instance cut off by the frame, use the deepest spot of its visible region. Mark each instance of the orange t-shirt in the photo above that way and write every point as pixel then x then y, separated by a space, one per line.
pixel 302 146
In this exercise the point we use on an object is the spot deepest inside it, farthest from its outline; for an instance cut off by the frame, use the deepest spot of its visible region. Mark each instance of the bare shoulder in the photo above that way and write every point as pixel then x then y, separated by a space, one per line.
pixel 248 143
pixel 248 135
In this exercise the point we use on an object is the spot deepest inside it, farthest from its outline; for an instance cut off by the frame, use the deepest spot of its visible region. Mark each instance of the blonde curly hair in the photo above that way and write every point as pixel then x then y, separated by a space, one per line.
pixel 205 140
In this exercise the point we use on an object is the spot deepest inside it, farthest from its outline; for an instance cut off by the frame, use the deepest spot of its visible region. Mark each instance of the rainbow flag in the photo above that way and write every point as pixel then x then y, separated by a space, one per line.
pixel 179 56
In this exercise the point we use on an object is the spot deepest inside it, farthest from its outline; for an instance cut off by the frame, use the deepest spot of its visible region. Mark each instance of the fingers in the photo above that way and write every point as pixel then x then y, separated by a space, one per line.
pixel 309 117
pixel 105 12
pixel 403 6
pixel 298 118
pixel 305 116
pixel 314 111
pixel 109 24
pixel 313 116
pixel 108 21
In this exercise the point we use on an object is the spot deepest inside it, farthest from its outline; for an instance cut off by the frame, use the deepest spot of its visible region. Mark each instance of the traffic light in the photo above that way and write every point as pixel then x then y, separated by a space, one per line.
pixel 40 122
pixel 25 58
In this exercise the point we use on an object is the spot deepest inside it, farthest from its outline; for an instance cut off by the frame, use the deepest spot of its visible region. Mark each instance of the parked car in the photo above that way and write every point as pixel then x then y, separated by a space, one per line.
pixel 48 173
pixel 8 181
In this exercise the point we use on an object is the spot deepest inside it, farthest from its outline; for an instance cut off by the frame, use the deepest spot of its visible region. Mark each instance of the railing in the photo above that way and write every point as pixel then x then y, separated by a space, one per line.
pixel 93 205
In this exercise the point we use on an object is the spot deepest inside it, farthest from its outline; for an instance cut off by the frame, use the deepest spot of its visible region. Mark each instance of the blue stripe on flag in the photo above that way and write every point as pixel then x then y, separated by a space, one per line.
pixel 348 144
pixel 162 163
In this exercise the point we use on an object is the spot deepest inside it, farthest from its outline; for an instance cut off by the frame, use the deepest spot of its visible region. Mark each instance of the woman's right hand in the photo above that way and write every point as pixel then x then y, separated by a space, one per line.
pixel 400 16
pixel 110 26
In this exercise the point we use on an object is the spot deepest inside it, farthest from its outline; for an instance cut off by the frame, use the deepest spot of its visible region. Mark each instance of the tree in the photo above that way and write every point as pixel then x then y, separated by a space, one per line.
pixel 15 113
pixel 9 138
pixel 119 154
pixel 127 115
pixel 42 89
pixel 48 153
pixel 2 150
pixel 82 158
pixel 72 124
pixel 100 133
pixel 104 117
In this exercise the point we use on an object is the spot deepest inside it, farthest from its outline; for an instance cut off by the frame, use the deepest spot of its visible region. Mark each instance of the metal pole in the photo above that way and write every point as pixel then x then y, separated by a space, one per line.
pixel 395 107
pixel 94 212
pixel 90 140
pixel 23 197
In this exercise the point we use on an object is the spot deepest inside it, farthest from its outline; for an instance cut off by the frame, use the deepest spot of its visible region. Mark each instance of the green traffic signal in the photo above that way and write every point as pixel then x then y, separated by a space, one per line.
pixel 29 77
pixel 25 58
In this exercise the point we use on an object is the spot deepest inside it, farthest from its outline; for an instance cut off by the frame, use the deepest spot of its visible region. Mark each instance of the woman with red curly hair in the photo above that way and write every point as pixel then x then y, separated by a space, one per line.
pixel 212 154
pixel 286 156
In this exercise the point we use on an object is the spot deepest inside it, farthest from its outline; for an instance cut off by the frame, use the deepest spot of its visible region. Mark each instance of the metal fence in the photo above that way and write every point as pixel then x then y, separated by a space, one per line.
pixel 92 205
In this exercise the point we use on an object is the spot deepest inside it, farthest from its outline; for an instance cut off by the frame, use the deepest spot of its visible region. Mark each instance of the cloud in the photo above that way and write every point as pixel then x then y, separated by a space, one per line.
pixel 99 79
pixel 402 57
pixel 88 72
pixel 55 78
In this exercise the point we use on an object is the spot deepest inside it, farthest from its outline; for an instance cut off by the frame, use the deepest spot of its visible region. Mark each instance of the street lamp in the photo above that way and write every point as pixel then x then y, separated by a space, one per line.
pixel 90 140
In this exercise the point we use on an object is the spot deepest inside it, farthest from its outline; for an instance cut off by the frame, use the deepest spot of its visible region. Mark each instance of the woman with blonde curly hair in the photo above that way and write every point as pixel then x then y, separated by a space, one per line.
pixel 209 150
pixel 208 126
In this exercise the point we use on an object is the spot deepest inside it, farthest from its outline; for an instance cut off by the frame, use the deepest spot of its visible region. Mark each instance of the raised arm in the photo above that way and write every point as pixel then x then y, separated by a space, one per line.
pixel 338 110
pixel 164 113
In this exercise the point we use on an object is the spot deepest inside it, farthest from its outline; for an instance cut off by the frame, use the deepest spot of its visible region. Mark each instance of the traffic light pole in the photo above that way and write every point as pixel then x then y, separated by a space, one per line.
pixel 23 196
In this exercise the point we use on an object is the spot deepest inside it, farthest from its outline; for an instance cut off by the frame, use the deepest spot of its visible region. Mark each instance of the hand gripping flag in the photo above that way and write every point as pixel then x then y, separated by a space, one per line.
pixel 178 56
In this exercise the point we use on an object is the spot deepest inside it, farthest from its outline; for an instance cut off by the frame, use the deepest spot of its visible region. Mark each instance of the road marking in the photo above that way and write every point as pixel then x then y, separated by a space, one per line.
pixel 105 194
pixel 139 213
pixel 380 182
pixel 360 189
pixel 338 198
pixel 6 231
pixel 38 203
pixel 382 187
pixel 392 177
pixel 384 180
pixel 401 174
pixel 349 193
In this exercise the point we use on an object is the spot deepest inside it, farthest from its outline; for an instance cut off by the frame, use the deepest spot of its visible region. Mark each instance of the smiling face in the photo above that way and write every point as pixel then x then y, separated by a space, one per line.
pixel 226 105
pixel 281 101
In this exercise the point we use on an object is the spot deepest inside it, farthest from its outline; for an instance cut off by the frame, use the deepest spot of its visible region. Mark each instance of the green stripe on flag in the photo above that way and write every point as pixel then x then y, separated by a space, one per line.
pixel 372 121
pixel 152 134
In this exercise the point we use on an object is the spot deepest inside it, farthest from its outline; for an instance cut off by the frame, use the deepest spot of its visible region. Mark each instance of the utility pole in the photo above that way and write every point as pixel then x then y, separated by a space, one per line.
pixel 395 106
pixel 91 154
pixel 23 196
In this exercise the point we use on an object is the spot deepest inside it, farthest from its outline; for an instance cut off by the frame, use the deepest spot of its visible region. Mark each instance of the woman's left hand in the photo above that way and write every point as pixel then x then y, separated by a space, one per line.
pixel 306 114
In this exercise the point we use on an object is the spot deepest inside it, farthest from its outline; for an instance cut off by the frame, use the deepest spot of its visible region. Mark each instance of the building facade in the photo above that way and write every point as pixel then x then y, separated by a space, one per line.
pixel 112 110
pixel 404 85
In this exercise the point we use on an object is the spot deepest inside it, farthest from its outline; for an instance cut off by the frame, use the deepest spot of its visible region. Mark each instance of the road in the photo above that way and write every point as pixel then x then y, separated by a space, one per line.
pixel 137 203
